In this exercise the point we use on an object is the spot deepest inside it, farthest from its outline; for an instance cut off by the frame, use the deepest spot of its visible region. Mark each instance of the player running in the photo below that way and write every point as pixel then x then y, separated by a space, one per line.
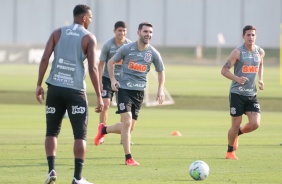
pixel 137 58
pixel 107 52
pixel 248 62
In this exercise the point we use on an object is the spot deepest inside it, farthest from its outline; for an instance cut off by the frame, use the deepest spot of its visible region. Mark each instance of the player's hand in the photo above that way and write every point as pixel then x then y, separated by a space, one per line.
pixel 242 80
pixel 261 84
pixel 115 85
pixel 100 105
pixel 39 93
pixel 160 97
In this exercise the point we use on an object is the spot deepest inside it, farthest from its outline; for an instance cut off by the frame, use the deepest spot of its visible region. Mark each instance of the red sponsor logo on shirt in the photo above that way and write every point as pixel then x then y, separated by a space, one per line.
pixel 250 69
pixel 137 67
pixel 120 62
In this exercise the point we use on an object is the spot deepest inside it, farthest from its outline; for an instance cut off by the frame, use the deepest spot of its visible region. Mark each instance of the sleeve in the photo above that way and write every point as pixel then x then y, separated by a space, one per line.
pixel 158 62
pixel 104 52
pixel 120 54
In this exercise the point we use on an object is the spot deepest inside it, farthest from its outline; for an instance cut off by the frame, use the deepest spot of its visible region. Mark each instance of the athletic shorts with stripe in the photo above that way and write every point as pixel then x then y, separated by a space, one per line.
pixel 59 100
pixel 130 101
pixel 240 104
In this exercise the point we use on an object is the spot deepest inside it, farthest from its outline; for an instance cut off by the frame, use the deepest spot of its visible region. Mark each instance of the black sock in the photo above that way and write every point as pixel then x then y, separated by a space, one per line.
pixel 51 163
pixel 78 165
pixel 239 132
pixel 230 148
pixel 104 130
pixel 128 156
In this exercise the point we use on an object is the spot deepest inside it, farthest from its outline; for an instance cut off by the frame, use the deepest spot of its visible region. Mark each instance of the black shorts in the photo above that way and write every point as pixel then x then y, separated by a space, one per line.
pixel 240 104
pixel 107 88
pixel 59 100
pixel 130 101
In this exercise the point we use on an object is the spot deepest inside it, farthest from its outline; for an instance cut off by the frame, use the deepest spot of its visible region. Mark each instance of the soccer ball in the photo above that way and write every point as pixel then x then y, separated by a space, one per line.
pixel 199 170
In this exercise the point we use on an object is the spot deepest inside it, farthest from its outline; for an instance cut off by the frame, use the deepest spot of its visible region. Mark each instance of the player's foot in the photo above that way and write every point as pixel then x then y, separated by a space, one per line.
pixel 231 156
pixel 131 162
pixel 236 144
pixel 51 177
pixel 102 140
pixel 81 181
pixel 99 134
pixel 130 142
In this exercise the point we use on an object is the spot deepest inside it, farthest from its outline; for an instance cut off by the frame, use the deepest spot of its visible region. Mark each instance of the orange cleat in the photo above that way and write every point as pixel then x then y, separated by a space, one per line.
pixel 231 156
pixel 99 135
pixel 131 162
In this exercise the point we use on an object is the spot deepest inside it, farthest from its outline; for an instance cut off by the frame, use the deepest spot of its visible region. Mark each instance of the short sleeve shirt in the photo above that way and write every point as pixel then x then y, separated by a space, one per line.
pixel 108 50
pixel 136 65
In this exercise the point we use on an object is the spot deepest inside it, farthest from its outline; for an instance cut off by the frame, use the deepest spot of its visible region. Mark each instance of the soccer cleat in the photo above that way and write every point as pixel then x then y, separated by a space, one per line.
pixel 131 162
pixel 236 144
pixel 99 135
pixel 231 156
pixel 102 140
pixel 81 181
pixel 51 177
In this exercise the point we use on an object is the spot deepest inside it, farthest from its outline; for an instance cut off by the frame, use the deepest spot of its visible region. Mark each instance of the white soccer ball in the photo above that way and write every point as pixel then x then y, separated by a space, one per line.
pixel 199 170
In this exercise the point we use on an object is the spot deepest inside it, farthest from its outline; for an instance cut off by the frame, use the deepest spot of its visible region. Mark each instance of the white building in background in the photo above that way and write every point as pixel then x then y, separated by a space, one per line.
pixel 177 23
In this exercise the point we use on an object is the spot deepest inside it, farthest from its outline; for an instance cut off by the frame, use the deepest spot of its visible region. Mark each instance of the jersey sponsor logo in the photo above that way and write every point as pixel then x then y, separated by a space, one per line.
pixel 148 57
pixel 250 69
pixel 66 68
pixel 70 33
pixel 245 90
pixel 78 110
pixel 50 110
pixel 119 62
pixel 137 67
pixel 139 55
pixel 132 85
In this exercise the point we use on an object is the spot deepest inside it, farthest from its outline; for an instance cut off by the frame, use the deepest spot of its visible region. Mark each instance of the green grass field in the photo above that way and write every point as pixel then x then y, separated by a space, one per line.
pixel 200 115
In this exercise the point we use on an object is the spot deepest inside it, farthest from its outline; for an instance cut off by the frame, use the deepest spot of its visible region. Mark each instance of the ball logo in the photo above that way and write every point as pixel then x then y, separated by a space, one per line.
pixel 233 110
pixel 50 110
pixel 78 110
pixel 121 106
pixel 148 57
pixel 104 92
pixel 256 105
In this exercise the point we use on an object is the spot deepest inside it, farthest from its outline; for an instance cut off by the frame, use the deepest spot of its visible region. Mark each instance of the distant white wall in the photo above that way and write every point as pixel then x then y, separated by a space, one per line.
pixel 177 23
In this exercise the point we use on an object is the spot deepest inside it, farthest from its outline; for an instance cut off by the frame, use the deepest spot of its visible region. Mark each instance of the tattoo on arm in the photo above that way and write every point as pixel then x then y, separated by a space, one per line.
pixel 227 64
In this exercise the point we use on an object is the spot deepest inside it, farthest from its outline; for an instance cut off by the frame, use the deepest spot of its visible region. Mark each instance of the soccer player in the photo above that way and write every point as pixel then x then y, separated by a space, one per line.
pixel 137 58
pixel 247 60
pixel 66 87
pixel 107 52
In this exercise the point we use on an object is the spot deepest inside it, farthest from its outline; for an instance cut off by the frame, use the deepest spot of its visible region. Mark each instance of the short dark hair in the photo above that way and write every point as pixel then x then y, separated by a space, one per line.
pixel 248 27
pixel 80 9
pixel 144 24
pixel 120 24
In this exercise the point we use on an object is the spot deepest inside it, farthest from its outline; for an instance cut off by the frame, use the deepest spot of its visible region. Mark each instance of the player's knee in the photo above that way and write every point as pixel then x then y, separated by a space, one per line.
pixel 106 105
pixel 256 125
